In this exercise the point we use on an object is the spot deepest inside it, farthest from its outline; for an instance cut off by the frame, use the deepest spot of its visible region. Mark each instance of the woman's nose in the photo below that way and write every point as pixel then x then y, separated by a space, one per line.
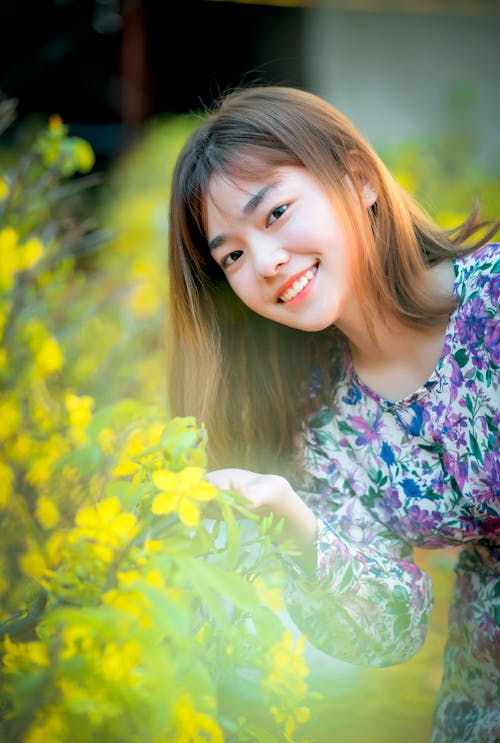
pixel 269 258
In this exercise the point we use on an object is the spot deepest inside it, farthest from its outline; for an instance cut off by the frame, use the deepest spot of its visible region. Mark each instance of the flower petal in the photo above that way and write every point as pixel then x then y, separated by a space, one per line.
pixel 191 475
pixel 166 480
pixel 165 503
pixel 189 513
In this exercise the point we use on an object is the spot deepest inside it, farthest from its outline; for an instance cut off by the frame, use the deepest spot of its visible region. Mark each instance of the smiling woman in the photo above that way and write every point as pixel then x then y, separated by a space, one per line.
pixel 279 248
pixel 342 350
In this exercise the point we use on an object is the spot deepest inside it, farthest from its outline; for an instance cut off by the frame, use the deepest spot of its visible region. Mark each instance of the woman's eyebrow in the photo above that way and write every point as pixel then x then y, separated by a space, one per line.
pixel 249 207
pixel 214 244
pixel 254 201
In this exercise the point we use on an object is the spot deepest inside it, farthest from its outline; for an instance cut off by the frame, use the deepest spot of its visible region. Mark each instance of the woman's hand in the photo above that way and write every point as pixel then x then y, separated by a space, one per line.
pixel 273 493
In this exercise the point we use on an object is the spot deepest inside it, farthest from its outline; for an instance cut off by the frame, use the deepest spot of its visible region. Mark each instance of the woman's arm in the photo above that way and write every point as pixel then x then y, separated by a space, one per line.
pixel 354 591
pixel 273 493
pixel 367 601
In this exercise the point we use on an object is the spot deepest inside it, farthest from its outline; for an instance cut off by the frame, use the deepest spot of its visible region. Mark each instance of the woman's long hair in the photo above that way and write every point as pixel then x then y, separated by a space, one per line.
pixel 245 377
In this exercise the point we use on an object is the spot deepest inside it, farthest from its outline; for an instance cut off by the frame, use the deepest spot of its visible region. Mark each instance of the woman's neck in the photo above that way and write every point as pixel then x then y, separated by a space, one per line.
pixel 396 359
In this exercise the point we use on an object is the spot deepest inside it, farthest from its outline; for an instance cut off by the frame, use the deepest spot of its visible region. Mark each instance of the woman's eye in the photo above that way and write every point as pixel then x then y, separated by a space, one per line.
pixel 231 258
pixel 277 213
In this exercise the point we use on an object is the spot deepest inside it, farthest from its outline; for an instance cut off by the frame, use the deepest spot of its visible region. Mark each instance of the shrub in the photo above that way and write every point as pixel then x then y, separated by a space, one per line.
pixel 129 613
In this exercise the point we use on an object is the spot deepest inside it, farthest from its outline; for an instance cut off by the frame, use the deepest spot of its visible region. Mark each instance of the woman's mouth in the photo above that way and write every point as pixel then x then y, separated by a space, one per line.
pixel 297 285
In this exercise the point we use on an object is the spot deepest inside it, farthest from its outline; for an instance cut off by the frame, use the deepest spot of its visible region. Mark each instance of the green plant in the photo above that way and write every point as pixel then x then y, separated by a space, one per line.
pixel 129 613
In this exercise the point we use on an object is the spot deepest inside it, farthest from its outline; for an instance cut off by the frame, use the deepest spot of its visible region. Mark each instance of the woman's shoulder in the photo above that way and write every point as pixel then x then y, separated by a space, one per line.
pixel 484 260
pixel 477 274
pixel 474 331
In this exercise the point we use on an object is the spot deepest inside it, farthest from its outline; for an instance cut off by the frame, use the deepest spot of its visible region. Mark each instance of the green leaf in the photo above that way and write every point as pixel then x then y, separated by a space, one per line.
pixel 212 602
pixel 127 492
pixel 230 585
pixel 195 677
pixel 233 536
pixel 323 418
pixel 468 403
pixel 475 448
pixel 461 357
pixel 173 618
pixel 261 735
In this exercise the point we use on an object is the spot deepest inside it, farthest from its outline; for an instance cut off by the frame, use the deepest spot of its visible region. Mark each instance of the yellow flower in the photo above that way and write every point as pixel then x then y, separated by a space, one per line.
pixel 152 545
pixel 135 444
pixel 4 189
pixel 30 253
pixel 302 714
pixel 48 726
pixel 193 725
pixel 270 595
pixel 77 639
pixel 125 468
pixel 16 652
pixel 117 663
pixel 47 512
pixel 54 547
pixel 42 414
pixel 79 408
pixel 9 265
pixel 291 717
pixel 40 471
pixel 21 447
pixel 127 577
pixel 106 524
pixel 10 416
pixel 49 357
pixel 84 155
pixel 286 662
pixel 34 565
pixel 286 680
pixel 155 432
pixel 130 602
pixel 155 578
pixel 41 465
pixel 106 440
pixel 181 493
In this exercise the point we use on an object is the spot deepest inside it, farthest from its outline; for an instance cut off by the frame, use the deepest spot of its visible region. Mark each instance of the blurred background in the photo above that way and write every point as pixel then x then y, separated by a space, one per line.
pixel 398 68
pixel 419 78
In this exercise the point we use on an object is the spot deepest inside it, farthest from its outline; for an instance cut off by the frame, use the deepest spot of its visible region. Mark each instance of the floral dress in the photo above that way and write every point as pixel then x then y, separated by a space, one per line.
pixel 383 477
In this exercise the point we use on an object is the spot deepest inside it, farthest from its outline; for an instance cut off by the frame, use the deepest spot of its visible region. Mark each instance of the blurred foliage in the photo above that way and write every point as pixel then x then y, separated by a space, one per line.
pixel 448 171
pixel 384 705
pixel 126 614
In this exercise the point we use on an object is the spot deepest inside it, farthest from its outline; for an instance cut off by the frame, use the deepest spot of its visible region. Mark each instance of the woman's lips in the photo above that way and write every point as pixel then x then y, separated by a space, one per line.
pixel 296 284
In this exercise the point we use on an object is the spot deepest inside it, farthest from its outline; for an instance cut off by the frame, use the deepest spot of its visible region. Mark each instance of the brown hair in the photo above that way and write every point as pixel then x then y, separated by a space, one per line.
pixel 245 377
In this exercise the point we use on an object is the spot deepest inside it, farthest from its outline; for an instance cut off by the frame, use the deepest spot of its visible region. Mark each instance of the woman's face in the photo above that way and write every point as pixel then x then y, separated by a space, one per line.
pixel 281 246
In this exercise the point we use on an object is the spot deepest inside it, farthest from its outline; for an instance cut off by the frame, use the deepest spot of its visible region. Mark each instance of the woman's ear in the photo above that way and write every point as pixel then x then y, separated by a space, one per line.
pixel 369 193
pixel 362 178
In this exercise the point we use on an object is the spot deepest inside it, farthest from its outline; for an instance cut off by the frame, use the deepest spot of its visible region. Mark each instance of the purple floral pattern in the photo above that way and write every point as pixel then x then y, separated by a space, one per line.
pixel 384 477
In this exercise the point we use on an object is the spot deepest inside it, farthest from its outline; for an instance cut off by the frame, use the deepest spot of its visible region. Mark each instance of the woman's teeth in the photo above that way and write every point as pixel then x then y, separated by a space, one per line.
pixel 297 286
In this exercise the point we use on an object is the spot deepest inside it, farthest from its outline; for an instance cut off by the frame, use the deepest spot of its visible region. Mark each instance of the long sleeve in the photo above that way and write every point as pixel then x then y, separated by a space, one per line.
pixel 367 602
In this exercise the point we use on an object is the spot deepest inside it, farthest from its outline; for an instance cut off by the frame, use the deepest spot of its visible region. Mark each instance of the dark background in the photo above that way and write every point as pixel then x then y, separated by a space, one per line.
pixel 107 66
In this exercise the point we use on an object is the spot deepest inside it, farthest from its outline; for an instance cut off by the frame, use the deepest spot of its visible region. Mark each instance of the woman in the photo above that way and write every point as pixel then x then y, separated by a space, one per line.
pixel 343 352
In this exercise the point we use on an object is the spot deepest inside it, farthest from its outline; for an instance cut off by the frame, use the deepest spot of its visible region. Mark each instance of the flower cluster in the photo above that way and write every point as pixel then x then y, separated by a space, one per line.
pixel 286 679
pixel 127 614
